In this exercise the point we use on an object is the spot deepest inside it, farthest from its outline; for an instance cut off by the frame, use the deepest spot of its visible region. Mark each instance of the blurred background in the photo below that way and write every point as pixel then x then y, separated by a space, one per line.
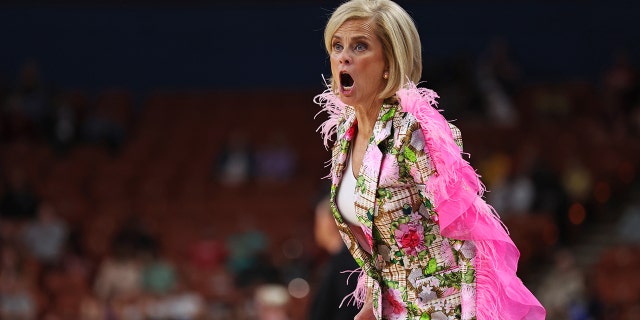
pixel 159 160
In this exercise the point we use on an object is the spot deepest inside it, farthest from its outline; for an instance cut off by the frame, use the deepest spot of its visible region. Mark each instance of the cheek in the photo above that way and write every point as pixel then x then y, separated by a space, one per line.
pixel 372 66
pixel 334 66
pixel 334 60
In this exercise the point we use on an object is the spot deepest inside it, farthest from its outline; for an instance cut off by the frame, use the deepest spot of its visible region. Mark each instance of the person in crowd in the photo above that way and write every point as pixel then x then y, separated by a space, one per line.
pixel 564 291
pixel 235 162
pixel 62 124
pixel 17 300
pixel 334 284
pixel 45 237
pixel 406 203
pixel 276 161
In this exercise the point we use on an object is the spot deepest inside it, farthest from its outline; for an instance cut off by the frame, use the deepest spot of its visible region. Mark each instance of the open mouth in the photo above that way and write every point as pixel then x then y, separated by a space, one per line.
pixel 346 81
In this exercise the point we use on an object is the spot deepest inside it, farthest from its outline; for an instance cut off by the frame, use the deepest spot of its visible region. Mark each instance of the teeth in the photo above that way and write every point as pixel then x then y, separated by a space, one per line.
pixel 348 88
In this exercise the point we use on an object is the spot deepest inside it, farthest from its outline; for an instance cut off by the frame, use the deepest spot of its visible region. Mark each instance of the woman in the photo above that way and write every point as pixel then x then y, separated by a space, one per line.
pixel 406 204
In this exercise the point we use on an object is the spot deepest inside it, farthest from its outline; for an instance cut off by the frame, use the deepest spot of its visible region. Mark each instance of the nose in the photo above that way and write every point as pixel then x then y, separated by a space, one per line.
pixel 344 57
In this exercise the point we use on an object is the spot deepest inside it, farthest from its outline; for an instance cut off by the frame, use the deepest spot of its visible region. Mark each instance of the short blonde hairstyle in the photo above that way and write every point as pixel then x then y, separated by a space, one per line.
pixel 397 33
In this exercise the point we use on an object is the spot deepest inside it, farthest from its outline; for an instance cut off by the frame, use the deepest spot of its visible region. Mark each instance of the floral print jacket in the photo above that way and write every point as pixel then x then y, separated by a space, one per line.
pixel 438 250
pixel 412 271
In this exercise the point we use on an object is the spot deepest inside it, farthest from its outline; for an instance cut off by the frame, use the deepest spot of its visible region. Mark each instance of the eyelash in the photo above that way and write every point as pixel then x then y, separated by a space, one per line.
pixel 358 47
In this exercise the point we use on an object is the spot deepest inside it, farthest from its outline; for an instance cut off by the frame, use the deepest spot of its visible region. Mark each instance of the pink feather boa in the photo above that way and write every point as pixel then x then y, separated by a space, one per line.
pixel 456 193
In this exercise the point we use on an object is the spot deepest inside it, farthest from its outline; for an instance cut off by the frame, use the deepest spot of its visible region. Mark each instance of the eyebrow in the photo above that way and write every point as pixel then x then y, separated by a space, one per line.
pixel 356 38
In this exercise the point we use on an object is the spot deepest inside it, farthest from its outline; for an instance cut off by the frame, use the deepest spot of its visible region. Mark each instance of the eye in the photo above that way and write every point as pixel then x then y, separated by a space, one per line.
pixel 337 47
pixel 360 47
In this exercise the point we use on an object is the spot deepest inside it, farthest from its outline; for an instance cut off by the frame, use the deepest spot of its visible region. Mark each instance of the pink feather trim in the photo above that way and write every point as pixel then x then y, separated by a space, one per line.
pixel 359 295
pixel 468 301
pixel 456 193
pixel 331 104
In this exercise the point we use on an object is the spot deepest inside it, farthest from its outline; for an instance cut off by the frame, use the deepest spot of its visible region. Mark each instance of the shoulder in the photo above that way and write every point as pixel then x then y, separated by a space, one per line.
pixel 409 123
pixel 404 121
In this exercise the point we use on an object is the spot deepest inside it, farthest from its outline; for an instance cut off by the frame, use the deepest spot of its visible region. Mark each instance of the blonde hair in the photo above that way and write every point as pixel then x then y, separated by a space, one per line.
pixel 395 30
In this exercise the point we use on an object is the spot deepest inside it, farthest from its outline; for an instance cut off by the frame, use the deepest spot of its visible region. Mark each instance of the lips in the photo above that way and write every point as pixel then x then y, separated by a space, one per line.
pixel 346 81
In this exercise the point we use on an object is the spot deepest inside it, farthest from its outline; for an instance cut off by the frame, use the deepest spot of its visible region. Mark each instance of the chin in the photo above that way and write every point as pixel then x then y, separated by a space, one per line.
pixel 346 100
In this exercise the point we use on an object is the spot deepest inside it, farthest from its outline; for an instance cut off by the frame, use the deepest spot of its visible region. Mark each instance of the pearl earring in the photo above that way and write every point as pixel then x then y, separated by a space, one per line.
pixel 385 75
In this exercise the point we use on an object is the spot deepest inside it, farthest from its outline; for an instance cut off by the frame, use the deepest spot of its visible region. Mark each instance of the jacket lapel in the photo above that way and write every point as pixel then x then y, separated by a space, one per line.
pixel 367 184
pixel 367 181
pixel 340 150
pixel 340 155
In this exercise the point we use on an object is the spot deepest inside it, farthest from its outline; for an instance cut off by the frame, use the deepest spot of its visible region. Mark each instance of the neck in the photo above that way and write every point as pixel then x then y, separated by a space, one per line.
pixel 367 116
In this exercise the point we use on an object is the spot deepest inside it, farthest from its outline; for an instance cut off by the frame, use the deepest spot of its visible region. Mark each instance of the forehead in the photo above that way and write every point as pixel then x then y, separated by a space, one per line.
pixel 356 27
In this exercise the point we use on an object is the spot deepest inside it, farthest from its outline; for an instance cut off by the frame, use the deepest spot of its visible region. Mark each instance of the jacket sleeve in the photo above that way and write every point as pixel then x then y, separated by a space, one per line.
pixel 450 188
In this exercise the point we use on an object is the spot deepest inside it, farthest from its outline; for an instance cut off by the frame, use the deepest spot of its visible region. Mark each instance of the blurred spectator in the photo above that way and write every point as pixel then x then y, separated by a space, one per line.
pixel 629 225
pixel 276 162
pixel 185 304
pixel 16 299
pixel 563 292
pixel 158 275
pixel 235 162
pixel 334 284
pixel 19 201
pixel 207 273
pixel 498 80
pixel 271 302
pixel 248 259
pixel 629 222
pixel 45 237
pixel 512 191
pixel 119 276
pixel 514 196
pixel 62 124
pixel 208 252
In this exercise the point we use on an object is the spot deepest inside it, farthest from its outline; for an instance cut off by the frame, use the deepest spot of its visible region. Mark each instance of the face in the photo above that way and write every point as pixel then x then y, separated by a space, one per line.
pixel 358 63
